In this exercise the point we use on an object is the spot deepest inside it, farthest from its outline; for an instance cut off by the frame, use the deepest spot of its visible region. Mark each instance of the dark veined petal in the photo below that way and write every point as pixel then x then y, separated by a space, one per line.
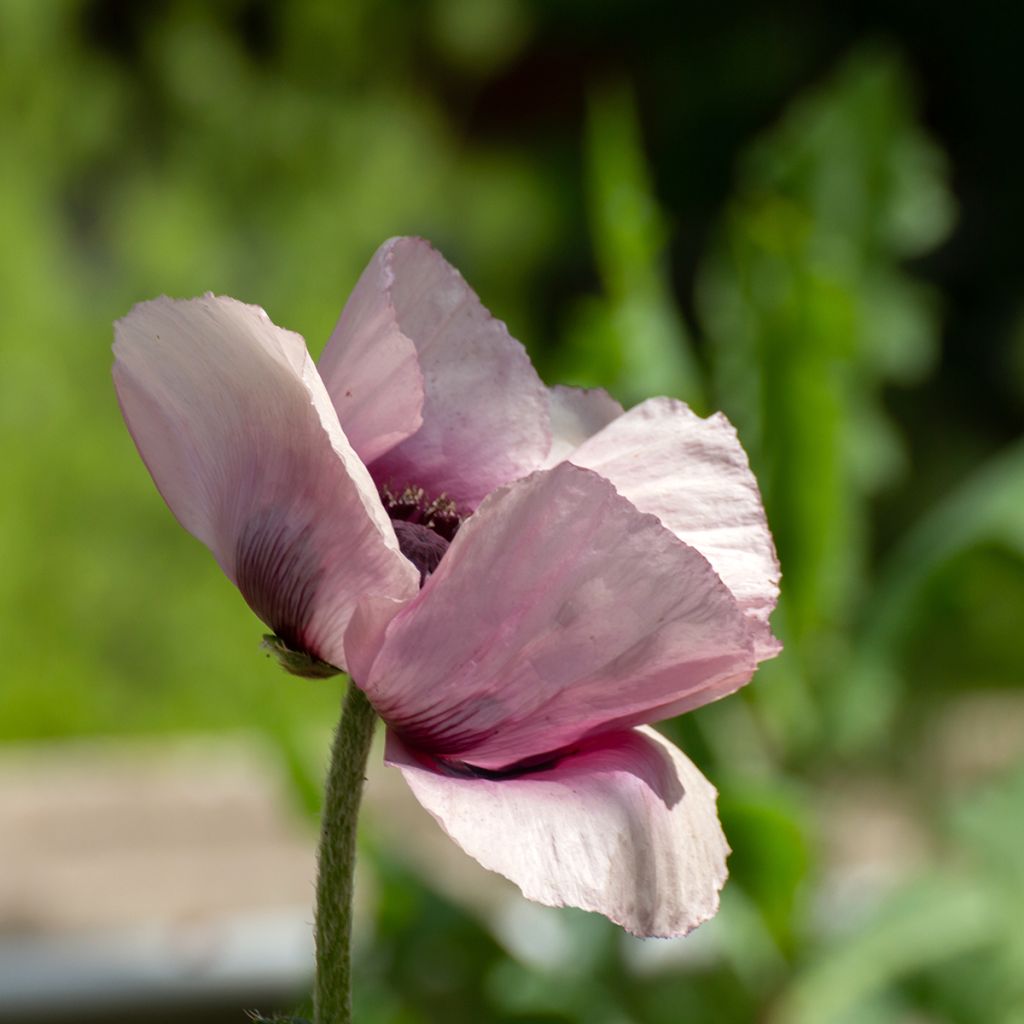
pixel 241 438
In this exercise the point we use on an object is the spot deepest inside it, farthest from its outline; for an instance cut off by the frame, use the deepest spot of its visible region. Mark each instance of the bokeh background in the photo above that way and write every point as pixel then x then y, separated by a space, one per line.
pixel 805 215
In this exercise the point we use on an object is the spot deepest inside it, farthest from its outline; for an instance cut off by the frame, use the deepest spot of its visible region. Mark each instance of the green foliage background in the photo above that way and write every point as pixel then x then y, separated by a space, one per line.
pixel 264 151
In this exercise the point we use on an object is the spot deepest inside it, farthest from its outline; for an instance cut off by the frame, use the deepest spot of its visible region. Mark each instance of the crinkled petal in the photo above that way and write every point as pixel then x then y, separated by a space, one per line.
pixel 485 414
pixel 240 436
pixel 558 611
pixel 693 474
pixel 626 827
pixel 370 367
pixel 576 414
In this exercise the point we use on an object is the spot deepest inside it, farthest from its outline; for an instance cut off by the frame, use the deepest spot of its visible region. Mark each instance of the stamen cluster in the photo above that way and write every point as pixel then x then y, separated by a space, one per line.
pixel 424 526
pixel 412 505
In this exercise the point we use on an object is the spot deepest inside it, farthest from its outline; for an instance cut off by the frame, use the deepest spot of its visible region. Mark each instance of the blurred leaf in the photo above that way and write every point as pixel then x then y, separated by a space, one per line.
pixel 747 943
pixel 932 920
pixel 991 823
pixel 768 833
pixel 632 340
pixel 477 36
pixel 984 509
pixel 809 313
pixel 988 824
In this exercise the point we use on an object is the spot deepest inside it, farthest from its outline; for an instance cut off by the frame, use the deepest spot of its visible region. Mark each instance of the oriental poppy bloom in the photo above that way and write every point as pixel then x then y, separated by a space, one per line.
pixel 520 579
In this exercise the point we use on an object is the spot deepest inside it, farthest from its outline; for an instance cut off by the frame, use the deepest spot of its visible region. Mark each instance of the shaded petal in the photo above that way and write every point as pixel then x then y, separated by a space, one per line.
pixel 559 610
pixel 370 367
pixel 485 415
pixel 234 424
pixel 576 414
pixel 693 474
pixel 365 633
pixel 626 827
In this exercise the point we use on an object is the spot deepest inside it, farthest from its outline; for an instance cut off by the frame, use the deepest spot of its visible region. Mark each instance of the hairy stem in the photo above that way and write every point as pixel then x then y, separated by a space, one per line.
pixel 332 996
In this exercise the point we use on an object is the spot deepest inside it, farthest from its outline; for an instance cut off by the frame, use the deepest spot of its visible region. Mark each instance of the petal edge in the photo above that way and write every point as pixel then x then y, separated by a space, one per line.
pixel 627 828
pixel 602 616
pixel 485 413
pixel 693 474
pixel 241 439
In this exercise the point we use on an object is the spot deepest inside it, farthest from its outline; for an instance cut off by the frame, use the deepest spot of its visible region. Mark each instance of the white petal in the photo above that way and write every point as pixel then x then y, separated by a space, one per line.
pixel 626 827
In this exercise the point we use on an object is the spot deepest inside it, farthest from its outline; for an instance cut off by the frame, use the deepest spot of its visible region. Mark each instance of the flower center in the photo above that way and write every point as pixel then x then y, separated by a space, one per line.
pixel 424 526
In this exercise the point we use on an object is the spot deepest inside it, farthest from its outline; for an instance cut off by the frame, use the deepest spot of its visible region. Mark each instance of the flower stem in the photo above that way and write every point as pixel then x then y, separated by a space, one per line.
pixel 332 996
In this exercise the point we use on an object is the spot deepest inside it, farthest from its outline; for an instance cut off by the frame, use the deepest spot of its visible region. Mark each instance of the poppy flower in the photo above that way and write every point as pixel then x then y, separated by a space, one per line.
pixel 520 579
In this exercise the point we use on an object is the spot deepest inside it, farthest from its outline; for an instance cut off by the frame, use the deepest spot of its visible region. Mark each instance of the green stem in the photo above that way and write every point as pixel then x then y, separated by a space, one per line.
pixel 332 997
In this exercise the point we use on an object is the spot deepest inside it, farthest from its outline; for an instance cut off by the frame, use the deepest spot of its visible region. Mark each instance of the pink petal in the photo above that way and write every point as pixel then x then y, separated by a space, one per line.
pixel 626 827
pixel 365 633
pixel 485 417
pixel 231 418
pixel 694 476
pixel 576 414
pixel 370 368
pixel 558 611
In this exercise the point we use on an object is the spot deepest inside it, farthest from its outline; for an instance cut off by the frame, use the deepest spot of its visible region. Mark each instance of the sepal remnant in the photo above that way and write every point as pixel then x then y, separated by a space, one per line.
pixel 298 663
